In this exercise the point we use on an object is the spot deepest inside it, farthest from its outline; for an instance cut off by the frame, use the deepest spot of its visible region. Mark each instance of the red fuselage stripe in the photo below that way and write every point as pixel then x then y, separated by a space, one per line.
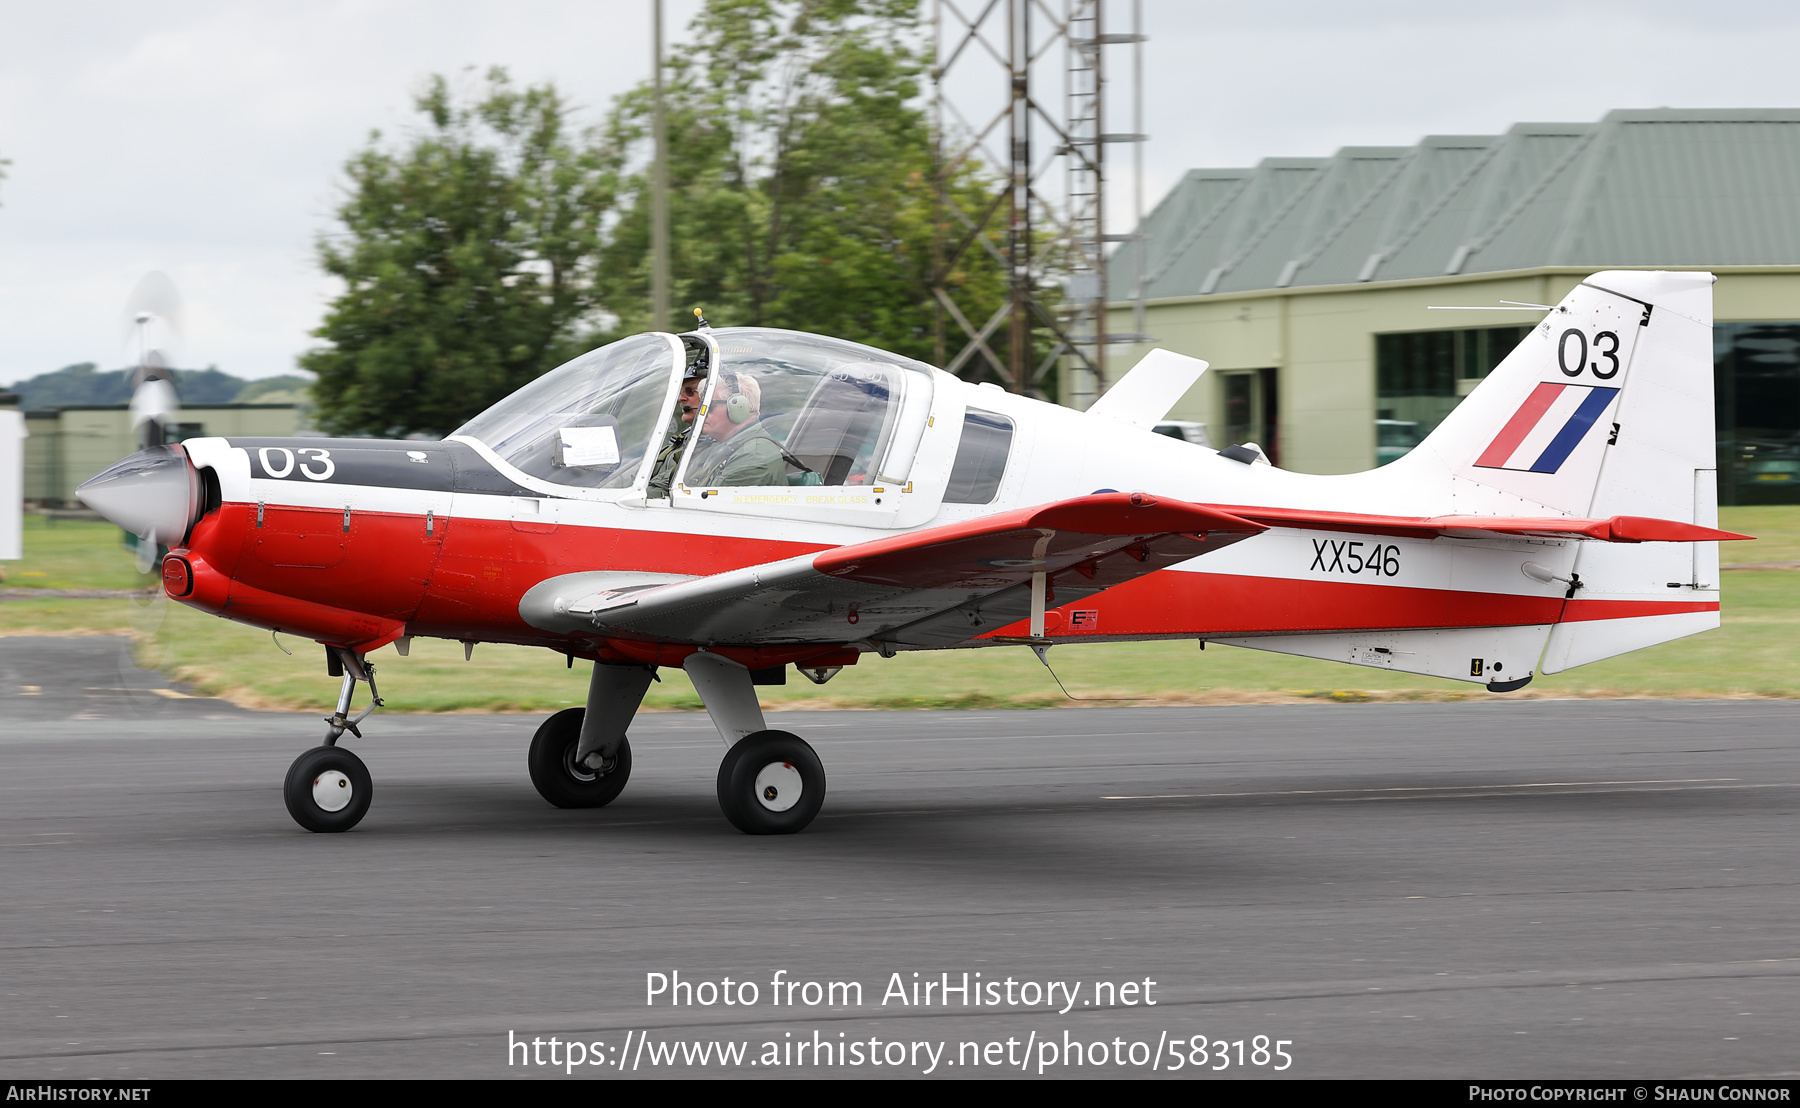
pixel 465 579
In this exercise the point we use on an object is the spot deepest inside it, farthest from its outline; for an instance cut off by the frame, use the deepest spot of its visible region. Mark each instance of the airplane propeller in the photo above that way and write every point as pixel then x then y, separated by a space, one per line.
pixel 152 322
pixel 155 493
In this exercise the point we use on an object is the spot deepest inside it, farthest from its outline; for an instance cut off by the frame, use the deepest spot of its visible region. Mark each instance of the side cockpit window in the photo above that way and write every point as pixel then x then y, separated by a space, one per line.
pixel 980 458
pixel 838 429
pixel 789 409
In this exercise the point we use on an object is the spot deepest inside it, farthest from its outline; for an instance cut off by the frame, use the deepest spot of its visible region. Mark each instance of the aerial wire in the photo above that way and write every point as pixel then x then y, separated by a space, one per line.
pixel 1042 650
pixel 659 184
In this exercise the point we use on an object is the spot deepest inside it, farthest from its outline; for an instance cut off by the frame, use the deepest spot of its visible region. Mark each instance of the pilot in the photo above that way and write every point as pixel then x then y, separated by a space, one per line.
pixel 680 426
pixel 734 449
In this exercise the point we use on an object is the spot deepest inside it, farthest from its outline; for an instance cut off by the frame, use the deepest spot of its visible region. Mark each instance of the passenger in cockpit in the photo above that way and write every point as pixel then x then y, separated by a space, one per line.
pixel 681 425
pixel 734 449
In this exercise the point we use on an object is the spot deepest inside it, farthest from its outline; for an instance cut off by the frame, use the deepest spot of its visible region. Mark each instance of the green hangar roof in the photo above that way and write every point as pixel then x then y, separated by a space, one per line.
pixel 1652 187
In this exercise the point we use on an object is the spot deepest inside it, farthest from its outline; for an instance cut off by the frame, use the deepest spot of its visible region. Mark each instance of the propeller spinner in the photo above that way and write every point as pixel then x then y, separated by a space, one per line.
pixel 154 494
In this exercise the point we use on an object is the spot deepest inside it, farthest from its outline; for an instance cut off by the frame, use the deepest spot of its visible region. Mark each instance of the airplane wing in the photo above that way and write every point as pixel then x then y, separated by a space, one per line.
pixel 933 587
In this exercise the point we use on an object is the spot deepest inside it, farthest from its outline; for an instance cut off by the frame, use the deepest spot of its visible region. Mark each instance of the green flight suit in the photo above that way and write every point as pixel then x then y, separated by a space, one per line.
pixel 668 458
pixel 749 457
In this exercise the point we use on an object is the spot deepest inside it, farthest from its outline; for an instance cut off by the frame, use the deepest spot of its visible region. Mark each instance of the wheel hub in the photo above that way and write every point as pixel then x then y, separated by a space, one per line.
pixel 778 786
pixel 578 769
pixel 331 791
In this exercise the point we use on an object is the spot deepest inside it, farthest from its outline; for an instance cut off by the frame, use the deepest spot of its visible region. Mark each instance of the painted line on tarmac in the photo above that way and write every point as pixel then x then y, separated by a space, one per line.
pixel 1437 792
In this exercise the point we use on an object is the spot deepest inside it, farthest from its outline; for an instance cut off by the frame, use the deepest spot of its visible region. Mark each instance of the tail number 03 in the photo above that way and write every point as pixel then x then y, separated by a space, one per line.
pixel 312 463
pixel 1605 346
pixel 1330 556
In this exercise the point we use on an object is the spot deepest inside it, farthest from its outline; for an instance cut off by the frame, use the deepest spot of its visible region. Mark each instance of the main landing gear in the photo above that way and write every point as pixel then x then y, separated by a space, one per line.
pixel 566 782
pixel 328 788
pixel 580 757
pixel 770 783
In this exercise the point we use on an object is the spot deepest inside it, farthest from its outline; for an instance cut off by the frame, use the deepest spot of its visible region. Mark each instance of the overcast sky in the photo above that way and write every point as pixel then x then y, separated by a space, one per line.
pixel 206 139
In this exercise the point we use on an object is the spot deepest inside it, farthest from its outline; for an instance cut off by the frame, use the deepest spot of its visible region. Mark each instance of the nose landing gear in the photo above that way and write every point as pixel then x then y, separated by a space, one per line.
pixel 328 789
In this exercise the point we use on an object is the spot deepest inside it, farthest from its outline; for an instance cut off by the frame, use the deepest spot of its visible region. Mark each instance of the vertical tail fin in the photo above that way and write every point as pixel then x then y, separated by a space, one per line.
pixel 1599 410
pixel 1606 409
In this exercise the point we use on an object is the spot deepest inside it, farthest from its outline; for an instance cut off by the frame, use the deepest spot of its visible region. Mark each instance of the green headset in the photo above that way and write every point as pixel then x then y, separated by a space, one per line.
pixel 737 406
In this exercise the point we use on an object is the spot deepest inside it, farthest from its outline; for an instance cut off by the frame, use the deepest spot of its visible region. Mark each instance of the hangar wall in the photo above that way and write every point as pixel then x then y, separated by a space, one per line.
pixel 1285 274
pixel 71 443
pixel 1321 343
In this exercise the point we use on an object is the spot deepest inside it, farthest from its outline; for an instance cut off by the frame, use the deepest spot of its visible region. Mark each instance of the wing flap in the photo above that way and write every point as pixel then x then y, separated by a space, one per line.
pixel 1007 548
pixel 1614 529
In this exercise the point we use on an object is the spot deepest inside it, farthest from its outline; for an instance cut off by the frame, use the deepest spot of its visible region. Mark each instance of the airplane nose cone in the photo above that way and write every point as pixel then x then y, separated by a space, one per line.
pixel 153 491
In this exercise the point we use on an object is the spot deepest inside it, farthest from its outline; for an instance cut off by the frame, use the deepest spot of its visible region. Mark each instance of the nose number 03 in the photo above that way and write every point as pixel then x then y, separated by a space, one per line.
pixel 315 464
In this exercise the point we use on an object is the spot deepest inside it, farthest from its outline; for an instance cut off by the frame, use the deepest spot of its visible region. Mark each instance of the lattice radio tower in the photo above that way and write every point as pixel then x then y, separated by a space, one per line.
pixel 995 78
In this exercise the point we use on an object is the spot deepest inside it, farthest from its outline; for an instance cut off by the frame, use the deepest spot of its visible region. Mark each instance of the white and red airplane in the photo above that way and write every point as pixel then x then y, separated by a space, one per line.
pixel 1563 513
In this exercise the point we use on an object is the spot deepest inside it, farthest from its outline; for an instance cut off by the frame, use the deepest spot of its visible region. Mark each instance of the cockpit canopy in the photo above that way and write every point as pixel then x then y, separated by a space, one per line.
pixel 841 413
pixel 609 398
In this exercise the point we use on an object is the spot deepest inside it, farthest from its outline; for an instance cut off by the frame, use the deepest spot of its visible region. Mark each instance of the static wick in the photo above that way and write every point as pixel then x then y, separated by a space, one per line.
pixel 1042 650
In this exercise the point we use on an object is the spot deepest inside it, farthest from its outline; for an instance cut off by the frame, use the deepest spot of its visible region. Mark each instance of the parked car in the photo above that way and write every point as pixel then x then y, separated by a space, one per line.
pixel 1183 430
pixel 1394 438
pixel 1771 473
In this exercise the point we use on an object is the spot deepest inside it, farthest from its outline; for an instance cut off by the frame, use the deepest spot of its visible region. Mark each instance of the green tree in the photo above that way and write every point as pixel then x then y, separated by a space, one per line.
pixel 800 176
pixel 497 241
pixel 467 258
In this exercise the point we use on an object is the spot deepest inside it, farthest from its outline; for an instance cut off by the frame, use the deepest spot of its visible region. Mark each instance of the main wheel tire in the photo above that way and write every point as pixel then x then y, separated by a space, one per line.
pixel 328 789
pixel 557 776
pixel 771 783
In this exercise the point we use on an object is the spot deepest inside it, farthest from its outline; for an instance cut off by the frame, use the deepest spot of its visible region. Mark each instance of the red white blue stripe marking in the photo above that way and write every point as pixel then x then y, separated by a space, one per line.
pixel 1547 428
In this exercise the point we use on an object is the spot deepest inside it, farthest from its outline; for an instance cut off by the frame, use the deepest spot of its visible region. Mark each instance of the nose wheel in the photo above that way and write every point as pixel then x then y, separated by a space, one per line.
pixel 328 789
pixel 771 783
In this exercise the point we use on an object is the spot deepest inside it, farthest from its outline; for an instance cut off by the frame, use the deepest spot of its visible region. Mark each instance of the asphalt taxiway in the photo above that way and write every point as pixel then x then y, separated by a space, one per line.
pixel 1487 889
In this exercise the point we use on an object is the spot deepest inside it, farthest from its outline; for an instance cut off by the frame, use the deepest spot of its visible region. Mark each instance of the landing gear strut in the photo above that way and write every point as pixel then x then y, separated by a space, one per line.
pixel 328 788
pixel 356 668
